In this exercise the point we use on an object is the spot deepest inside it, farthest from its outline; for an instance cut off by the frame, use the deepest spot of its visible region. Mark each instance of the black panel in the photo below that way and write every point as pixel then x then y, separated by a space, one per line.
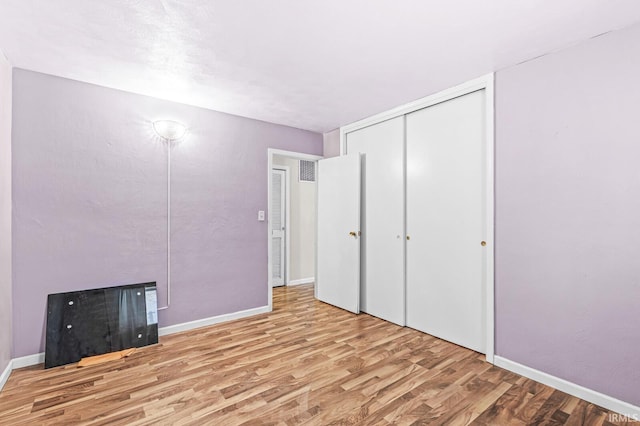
pixel 95 322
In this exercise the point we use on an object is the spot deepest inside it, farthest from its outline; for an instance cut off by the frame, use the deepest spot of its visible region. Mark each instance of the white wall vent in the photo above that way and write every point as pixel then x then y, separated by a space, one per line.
pixel 307 171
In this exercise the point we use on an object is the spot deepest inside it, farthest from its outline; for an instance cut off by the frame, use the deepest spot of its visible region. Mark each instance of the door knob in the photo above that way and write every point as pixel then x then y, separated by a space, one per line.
pixel 408 237
pixel 353 234
pixel 483 243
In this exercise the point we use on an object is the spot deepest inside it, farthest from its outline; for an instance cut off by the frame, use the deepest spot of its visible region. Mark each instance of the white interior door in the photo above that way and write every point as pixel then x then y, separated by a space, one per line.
pixel 278 221
pixel 382 245
pixel 446 220
pixel 338 254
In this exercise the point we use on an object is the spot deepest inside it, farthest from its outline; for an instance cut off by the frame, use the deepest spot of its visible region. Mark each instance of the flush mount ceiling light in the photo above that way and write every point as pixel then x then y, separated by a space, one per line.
pixel 169 129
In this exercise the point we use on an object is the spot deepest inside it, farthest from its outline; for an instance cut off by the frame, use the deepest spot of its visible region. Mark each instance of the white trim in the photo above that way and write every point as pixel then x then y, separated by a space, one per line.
pixel 490 219
pixel 204 322
pixel 594 397
pixel 28 361
pixel 405 232
pixel 485 83
pixel 5 374
pixel 270 153
pixel 302 281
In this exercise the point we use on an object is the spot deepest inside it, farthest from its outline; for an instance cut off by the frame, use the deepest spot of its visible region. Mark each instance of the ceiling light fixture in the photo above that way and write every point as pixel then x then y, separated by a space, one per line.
pixel 169 129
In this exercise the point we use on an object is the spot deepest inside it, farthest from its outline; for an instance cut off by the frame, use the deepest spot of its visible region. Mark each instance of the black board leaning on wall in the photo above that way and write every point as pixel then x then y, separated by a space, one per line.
pixel 98 321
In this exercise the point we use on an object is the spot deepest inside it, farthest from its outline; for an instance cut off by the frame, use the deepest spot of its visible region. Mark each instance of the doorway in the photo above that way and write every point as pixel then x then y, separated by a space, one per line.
pixel 292 214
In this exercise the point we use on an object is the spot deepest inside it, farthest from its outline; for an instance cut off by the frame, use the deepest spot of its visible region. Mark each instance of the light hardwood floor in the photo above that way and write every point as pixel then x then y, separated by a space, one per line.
pixel 304 363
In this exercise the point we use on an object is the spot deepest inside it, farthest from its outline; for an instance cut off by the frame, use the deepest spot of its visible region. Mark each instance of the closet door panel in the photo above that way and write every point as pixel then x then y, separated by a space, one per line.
pixel 382 251
pixel 446 220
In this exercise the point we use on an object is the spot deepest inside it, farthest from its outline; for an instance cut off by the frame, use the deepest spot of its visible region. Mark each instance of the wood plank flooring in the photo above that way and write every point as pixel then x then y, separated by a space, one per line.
pixel 304 363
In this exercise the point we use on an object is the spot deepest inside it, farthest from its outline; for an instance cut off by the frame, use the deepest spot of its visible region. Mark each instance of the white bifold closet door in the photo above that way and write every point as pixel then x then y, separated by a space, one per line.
pixel 278 220
pixel 382 244
pixel 446 220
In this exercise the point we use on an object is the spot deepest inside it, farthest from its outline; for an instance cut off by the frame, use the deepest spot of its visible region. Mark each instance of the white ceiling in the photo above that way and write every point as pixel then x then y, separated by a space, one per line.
pixel 315 65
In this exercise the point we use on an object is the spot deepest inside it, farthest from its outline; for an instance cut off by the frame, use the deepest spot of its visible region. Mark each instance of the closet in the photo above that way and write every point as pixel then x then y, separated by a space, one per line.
pixel 381 218
pixel 427 218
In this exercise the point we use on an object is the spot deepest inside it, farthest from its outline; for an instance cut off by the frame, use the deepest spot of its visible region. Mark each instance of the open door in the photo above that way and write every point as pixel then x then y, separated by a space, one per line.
pixel 338 254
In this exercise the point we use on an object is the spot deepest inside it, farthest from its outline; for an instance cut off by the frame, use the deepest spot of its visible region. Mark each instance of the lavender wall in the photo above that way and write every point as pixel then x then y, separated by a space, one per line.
pixel 331 143
pixel 90 201
pixel 5 213
pixel 568 214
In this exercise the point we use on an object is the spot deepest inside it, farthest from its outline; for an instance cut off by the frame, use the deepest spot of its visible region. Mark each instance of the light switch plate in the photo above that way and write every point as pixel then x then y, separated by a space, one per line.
pixel 261 215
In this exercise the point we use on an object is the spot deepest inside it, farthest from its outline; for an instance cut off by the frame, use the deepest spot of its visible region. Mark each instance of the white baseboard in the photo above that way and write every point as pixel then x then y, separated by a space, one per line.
pixel 35 359
pixel 6 373
pixel 608 402
pixel 302 281
pixel 177 328
pixel 28 361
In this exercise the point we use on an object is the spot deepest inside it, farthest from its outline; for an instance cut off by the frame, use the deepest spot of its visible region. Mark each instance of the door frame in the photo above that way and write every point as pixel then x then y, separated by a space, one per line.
pixel 287 222
pixel 298 156
pixel 485 82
